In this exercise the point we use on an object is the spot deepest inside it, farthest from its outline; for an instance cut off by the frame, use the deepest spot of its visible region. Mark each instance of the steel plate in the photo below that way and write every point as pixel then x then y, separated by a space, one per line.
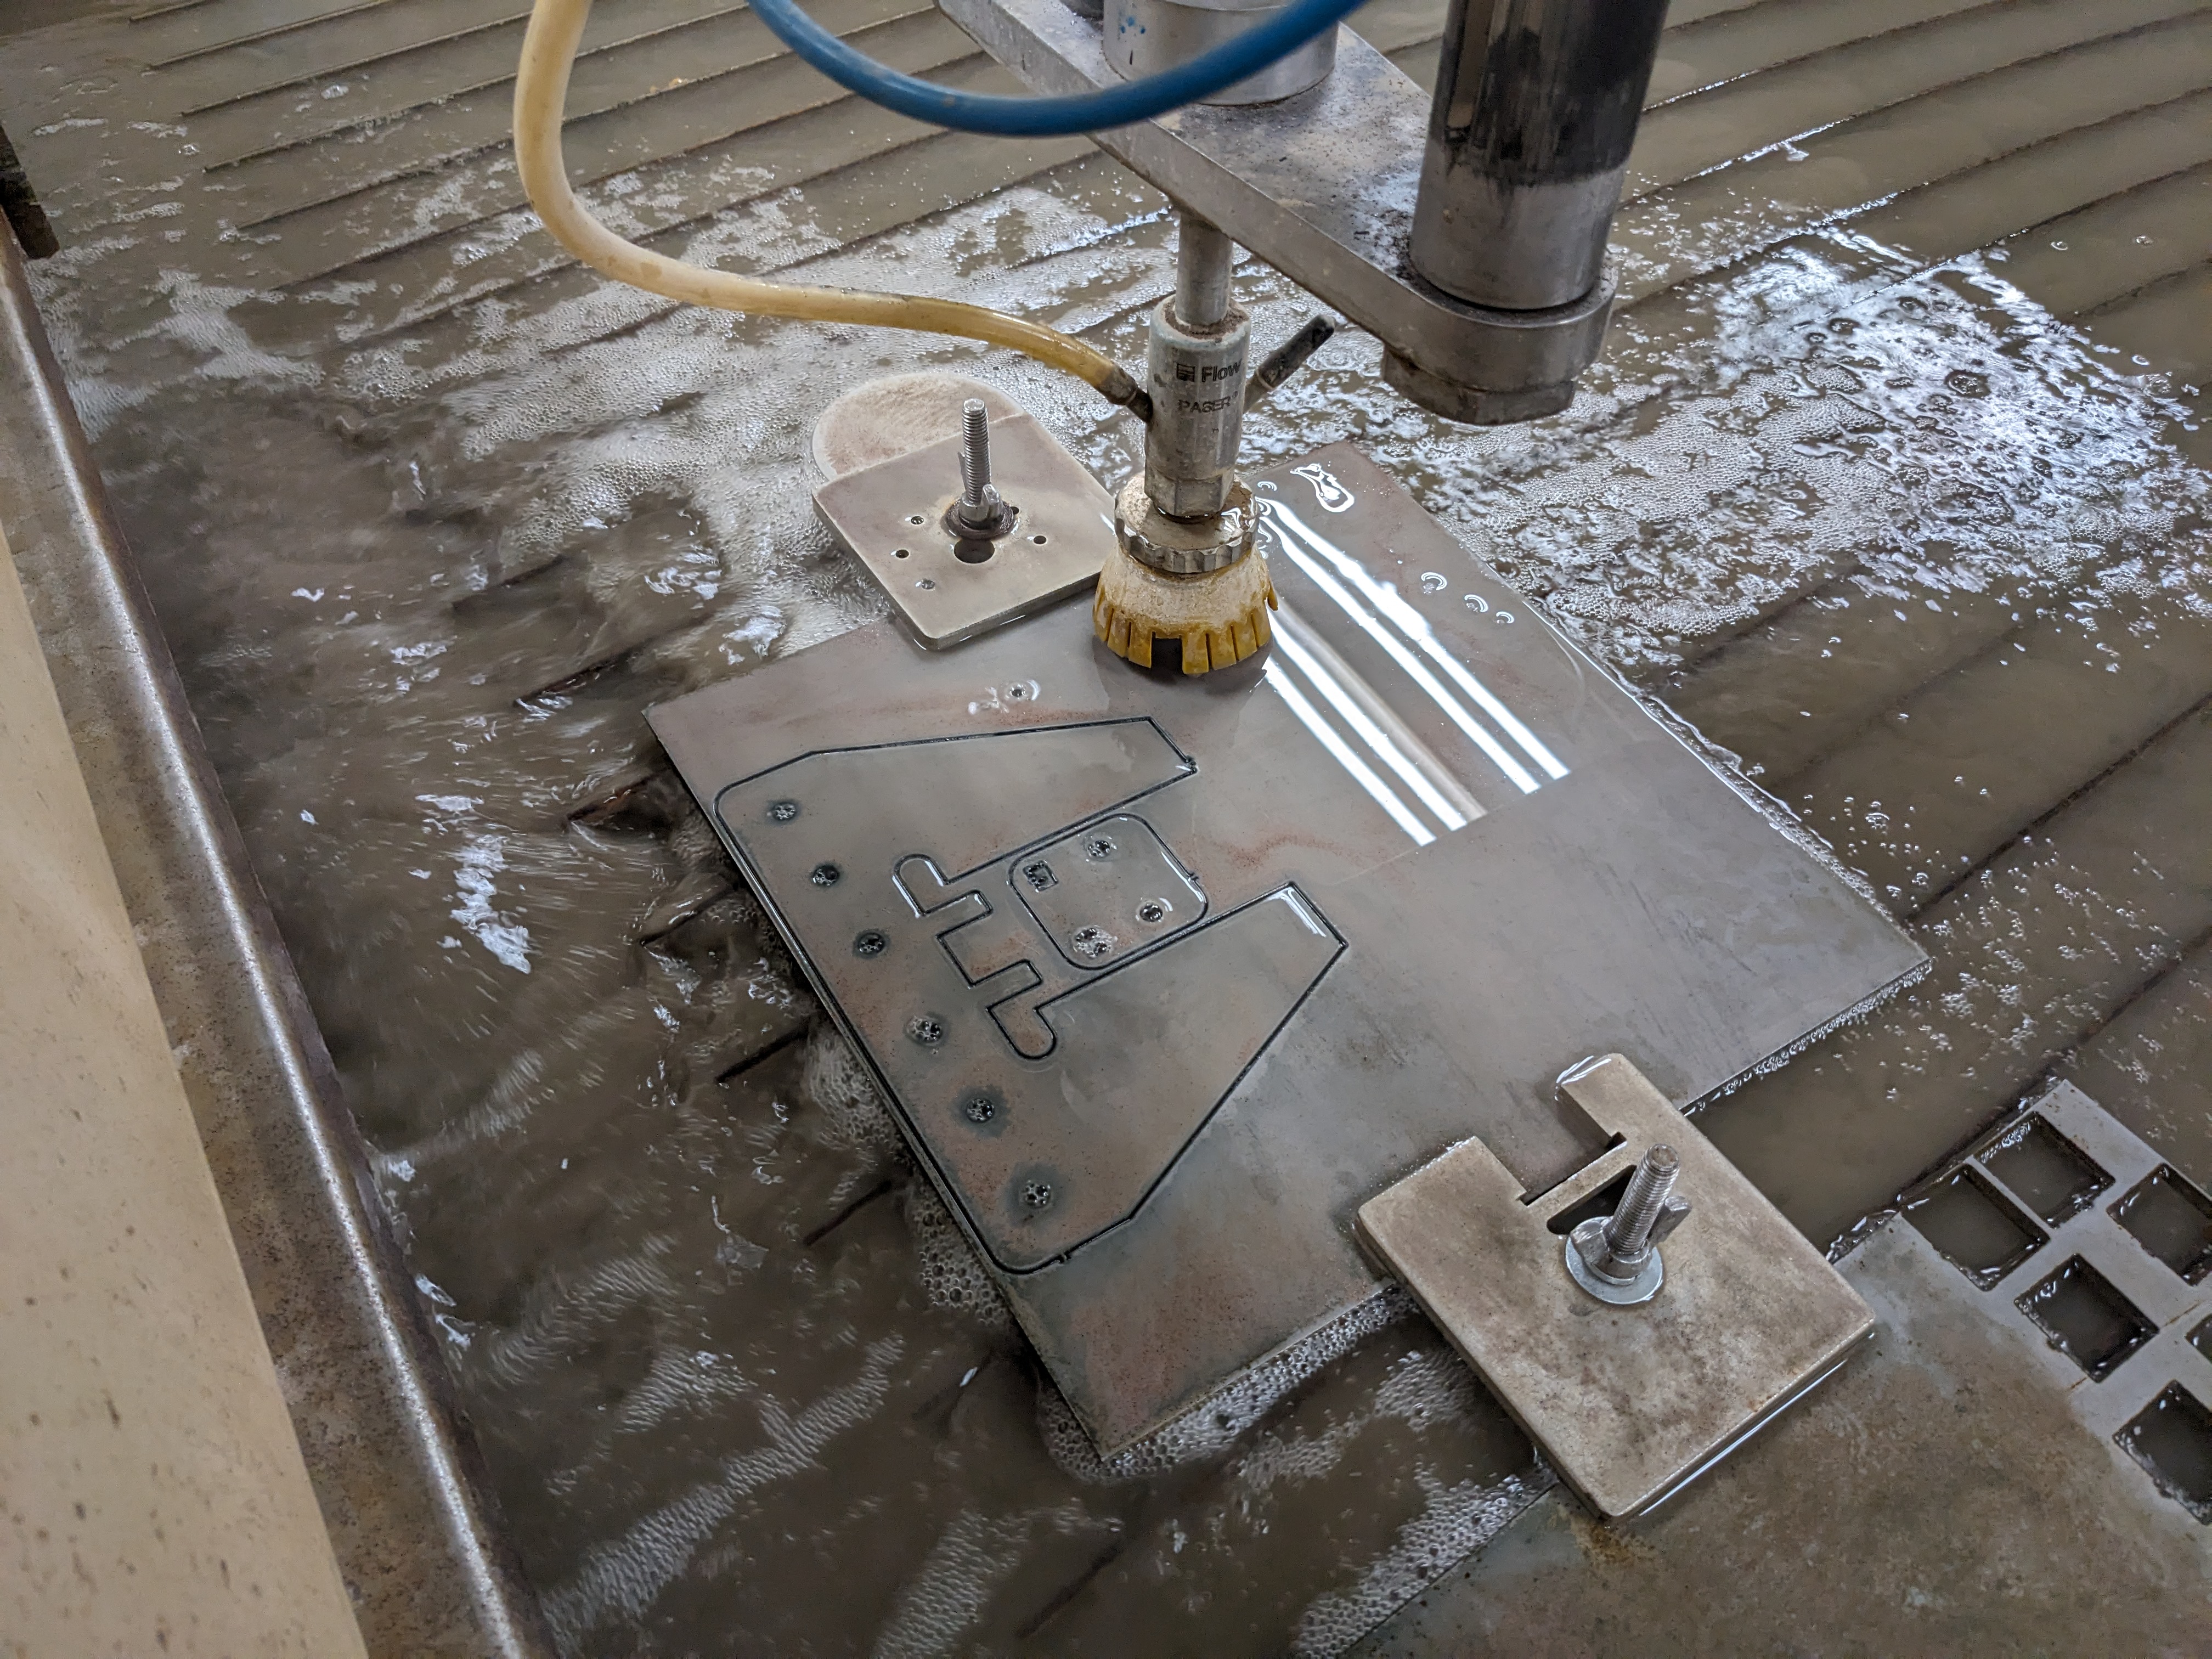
pixel 1416 860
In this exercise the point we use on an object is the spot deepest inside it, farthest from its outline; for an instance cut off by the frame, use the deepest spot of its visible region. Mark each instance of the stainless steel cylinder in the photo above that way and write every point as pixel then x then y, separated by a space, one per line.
pixel 1203 254
pixel 1196 377
pixel 1145 36
pixel 1536 106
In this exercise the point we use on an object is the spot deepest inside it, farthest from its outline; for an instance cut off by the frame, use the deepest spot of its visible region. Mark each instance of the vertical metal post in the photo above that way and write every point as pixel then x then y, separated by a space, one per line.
pixel 1202 257
pixel 1196 364
pixel 1536 106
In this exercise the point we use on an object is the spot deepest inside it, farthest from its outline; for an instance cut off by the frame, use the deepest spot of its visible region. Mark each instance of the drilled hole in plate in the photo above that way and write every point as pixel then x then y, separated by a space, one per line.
pixel 914 518
pixel 1039 540
pixel 2084 1318
pixel 900 553
pixel 974 549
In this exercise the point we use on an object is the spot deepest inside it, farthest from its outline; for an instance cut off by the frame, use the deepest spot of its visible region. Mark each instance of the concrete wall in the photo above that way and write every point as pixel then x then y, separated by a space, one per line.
pixel 152 1495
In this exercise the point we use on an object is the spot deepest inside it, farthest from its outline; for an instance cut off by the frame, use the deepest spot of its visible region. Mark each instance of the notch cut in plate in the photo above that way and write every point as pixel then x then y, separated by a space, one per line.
pixel 890 517
pixel 1629 1403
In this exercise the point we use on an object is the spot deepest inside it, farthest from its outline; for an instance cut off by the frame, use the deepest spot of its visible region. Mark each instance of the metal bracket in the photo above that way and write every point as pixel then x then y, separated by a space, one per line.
pixel 1322 186
pixel 1630 1402
pixel 890 517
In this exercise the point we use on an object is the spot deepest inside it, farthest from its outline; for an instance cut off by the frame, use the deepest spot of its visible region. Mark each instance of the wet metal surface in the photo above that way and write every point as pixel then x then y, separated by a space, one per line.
pixel 1628 1403
pixel 1940 1495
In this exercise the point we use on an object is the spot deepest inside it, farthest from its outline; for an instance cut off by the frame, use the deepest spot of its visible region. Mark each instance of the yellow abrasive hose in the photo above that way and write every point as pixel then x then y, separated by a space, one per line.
pixel 541 93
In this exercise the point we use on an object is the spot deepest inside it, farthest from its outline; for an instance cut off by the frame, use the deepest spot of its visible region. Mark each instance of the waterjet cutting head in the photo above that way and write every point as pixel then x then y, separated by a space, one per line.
pixel 1218 613
pixel 1184 565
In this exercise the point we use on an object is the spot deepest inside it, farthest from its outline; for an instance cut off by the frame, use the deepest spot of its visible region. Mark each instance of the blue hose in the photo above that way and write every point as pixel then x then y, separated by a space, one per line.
pixel 1052 117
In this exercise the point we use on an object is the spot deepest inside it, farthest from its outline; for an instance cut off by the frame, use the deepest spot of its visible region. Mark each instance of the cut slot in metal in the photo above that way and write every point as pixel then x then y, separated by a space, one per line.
pixel 2044 1171
pixel 2085 1319
pixel 1975 1228
pixel 2172 1438
pixel 2171 1218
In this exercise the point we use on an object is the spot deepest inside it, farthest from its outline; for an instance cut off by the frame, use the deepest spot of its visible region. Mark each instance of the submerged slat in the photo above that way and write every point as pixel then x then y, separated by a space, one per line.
pixel 2061 176
pixel 166 30
pixel 234 122
pixel 322 240
pixel 2151 1065
pixel 709 57
pixel 2086 259
pixel 2126 865
pixel 1858 164
pixel 1935 786
pixel 1732 44
pixel 1853 82
pixel 859 176
pixel 342 34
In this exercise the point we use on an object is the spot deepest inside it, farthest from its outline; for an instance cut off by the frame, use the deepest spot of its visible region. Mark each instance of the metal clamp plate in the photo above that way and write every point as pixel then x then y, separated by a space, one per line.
pixel 890 517
pixel 1629 1403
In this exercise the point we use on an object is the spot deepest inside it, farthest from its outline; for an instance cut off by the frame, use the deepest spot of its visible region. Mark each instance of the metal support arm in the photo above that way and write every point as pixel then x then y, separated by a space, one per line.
pixel 1323 187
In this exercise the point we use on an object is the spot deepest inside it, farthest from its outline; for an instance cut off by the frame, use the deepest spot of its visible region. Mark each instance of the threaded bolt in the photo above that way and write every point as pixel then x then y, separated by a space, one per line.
pixel 1628 1233
pixel 979 515
pixel 975 455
